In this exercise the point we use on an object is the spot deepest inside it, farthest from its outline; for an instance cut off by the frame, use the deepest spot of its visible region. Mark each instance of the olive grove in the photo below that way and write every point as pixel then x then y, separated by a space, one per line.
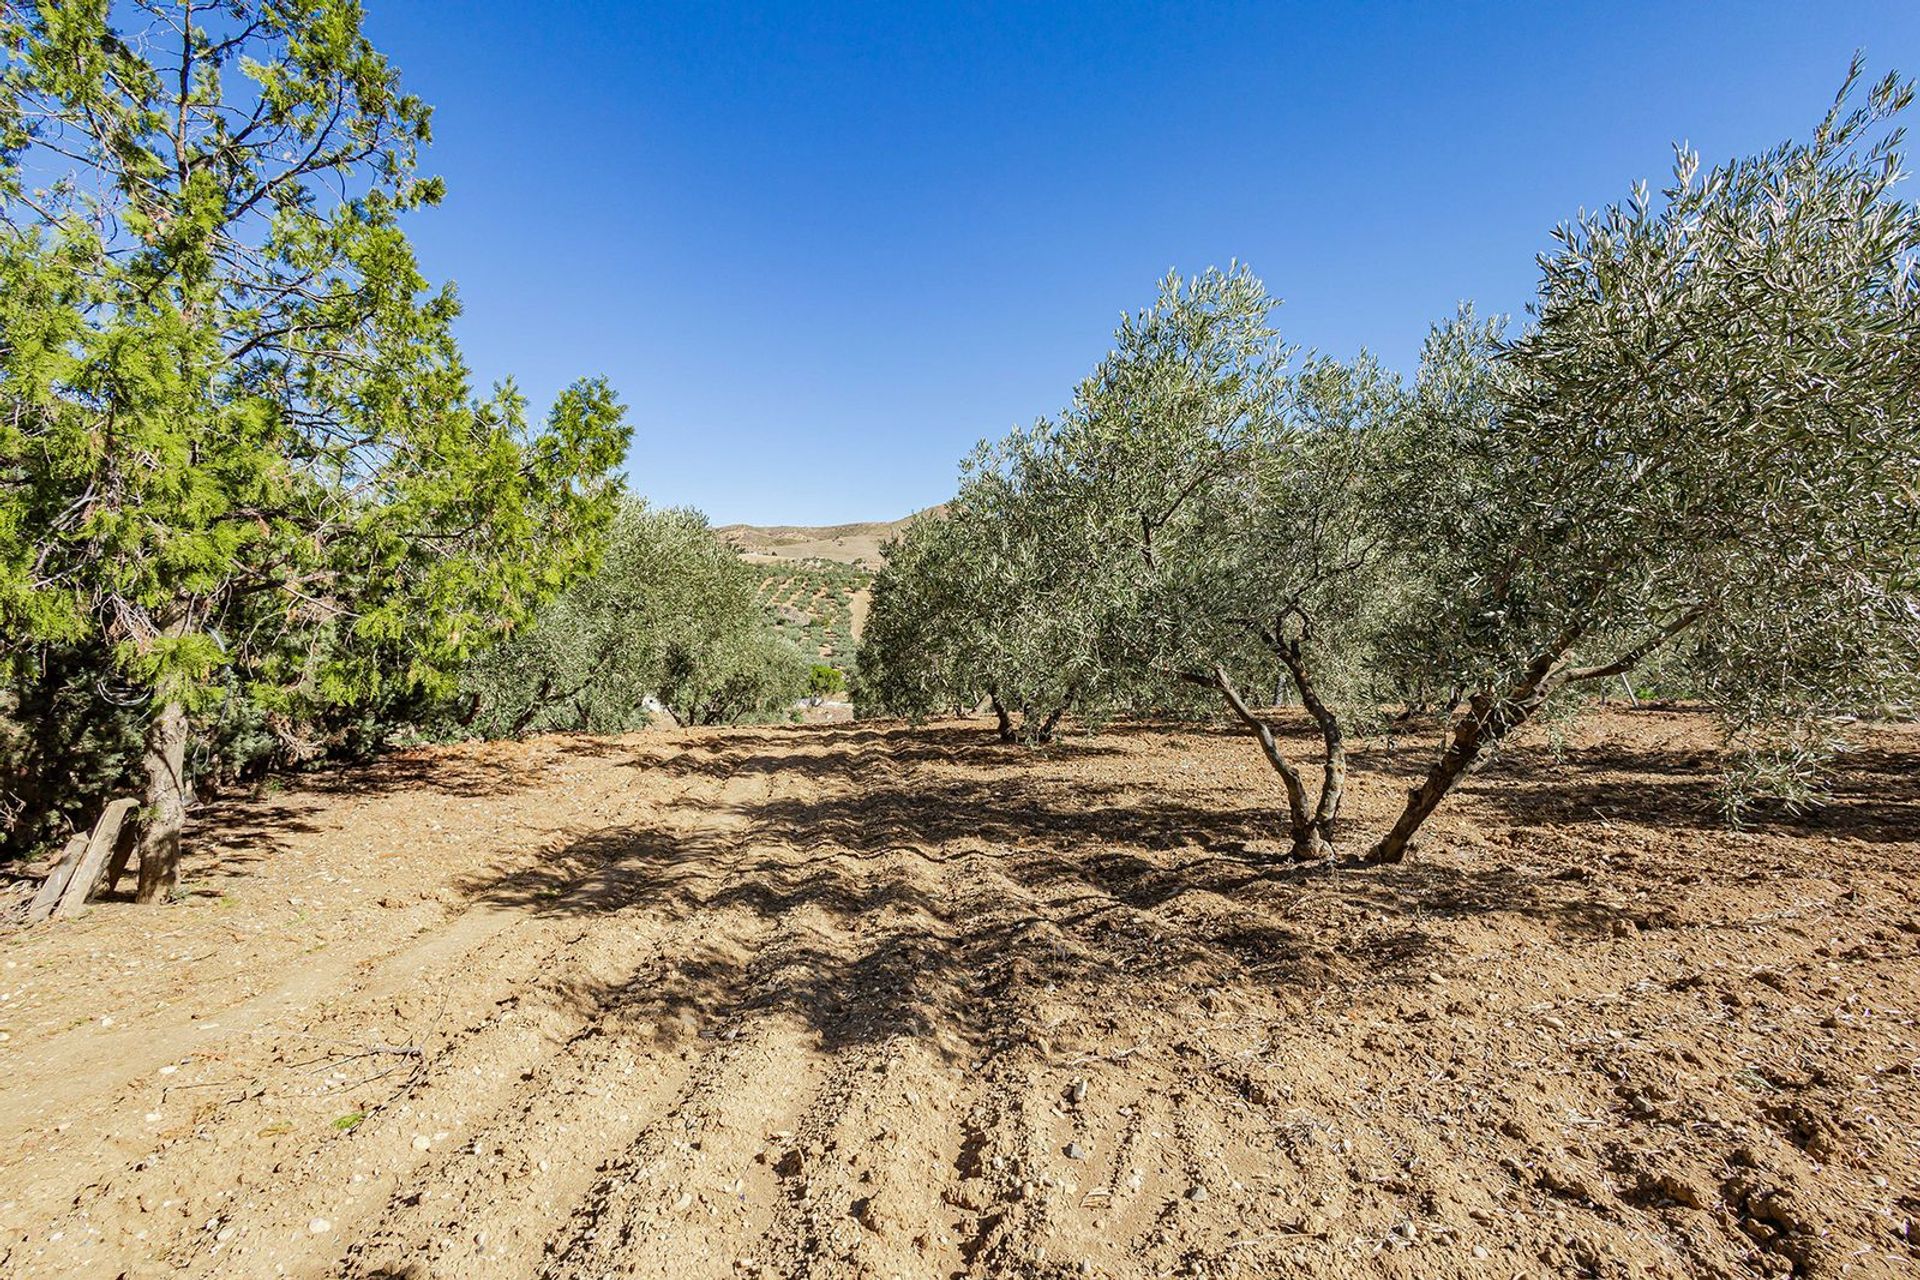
pixel 1702 449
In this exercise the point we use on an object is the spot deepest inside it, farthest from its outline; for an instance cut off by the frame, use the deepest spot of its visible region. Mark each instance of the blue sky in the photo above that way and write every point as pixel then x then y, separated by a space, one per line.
pixel 821 249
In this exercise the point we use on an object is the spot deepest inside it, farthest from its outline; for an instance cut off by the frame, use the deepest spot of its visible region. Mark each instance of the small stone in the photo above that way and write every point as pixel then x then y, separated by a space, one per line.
pixel 319 1226
pixel 1480 1252
pixel 1076 1152
pixel 421 1142
pixel 1077 1094
pixel 1196 1193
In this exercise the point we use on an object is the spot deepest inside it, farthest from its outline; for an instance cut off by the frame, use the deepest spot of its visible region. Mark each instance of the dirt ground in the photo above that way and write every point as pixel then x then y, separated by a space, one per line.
pixel 871 1001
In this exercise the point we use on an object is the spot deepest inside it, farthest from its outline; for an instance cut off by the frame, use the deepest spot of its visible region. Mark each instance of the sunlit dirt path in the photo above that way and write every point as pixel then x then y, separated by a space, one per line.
pixel 880 1001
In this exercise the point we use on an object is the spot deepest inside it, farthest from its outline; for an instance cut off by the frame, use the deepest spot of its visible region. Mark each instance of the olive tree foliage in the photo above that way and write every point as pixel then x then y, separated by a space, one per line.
pixel 1193 530
pixel 667 613
pixel 744 674
pixel 1224 494
pixel 907 664
pixel 1704 446
pixel 238 445
pixel 987 600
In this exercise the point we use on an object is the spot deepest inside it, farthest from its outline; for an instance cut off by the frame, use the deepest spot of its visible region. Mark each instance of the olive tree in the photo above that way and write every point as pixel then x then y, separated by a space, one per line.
pixel 1223 500
pixel 987 599
pixel 910 661
pixel 665 607
pixel 1283 582
pixel 732 673
pixel 1705 443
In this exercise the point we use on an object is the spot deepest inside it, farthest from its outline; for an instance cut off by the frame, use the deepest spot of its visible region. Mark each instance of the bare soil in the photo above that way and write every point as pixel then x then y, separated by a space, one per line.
pixel 845 543
pixel 870 1001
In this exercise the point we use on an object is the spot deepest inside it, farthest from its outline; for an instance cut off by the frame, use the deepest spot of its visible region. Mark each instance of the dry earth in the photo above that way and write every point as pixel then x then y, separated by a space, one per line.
pixel 860 543
pixel 844 543
pixel 877 1001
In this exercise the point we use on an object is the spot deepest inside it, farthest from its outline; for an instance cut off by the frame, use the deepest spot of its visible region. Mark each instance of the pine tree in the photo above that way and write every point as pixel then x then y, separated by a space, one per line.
pixel 237 439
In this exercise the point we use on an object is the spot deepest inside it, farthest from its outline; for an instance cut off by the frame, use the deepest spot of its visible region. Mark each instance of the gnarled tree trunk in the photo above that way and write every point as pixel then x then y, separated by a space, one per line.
pixel 1002 715
pixel 1052 722
pixel 165 810
pixel 1311 831
pixel 1491 717
pixel 1333 768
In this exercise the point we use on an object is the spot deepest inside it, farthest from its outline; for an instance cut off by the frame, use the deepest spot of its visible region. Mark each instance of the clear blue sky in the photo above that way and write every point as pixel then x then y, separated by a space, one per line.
pixel 821 249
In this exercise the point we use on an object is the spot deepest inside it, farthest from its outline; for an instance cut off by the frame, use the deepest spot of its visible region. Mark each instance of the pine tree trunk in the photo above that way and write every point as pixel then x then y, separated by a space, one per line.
pixel 166 804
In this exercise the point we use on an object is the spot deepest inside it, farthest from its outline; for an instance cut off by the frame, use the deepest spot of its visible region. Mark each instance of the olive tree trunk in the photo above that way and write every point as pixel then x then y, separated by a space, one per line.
pixel 1492 716
pixel 1003 717
pixel 1052 722
pixel 1311 827
pixel 165 810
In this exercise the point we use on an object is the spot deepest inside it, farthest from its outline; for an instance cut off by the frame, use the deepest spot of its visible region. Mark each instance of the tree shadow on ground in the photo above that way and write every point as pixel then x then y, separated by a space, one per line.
pixel 905 896
pixel 1875 795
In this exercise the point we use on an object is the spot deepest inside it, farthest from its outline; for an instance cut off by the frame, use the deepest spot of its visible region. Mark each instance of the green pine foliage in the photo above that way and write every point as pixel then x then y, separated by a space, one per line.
pixel 239 449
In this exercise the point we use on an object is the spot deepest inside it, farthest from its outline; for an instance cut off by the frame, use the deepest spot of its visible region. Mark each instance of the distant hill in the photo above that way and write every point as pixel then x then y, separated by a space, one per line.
pixel 814 581
pixel 856 544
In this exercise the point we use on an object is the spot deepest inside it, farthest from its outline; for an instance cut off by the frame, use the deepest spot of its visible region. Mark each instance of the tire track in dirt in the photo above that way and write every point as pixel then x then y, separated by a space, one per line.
pixel 794 1180
pixel 503 1196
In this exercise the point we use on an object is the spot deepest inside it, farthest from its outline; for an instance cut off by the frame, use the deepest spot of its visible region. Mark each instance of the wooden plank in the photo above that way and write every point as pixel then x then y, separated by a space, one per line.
pixel 56 882
pixel 93 866
pixel 122 854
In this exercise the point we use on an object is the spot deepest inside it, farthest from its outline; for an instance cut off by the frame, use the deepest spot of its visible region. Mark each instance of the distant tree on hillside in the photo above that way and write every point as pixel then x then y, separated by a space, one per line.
pixel 238 445
pixel 824 681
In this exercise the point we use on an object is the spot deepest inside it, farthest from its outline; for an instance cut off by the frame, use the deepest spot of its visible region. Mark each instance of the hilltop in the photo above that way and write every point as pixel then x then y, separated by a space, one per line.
pixel 854 544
